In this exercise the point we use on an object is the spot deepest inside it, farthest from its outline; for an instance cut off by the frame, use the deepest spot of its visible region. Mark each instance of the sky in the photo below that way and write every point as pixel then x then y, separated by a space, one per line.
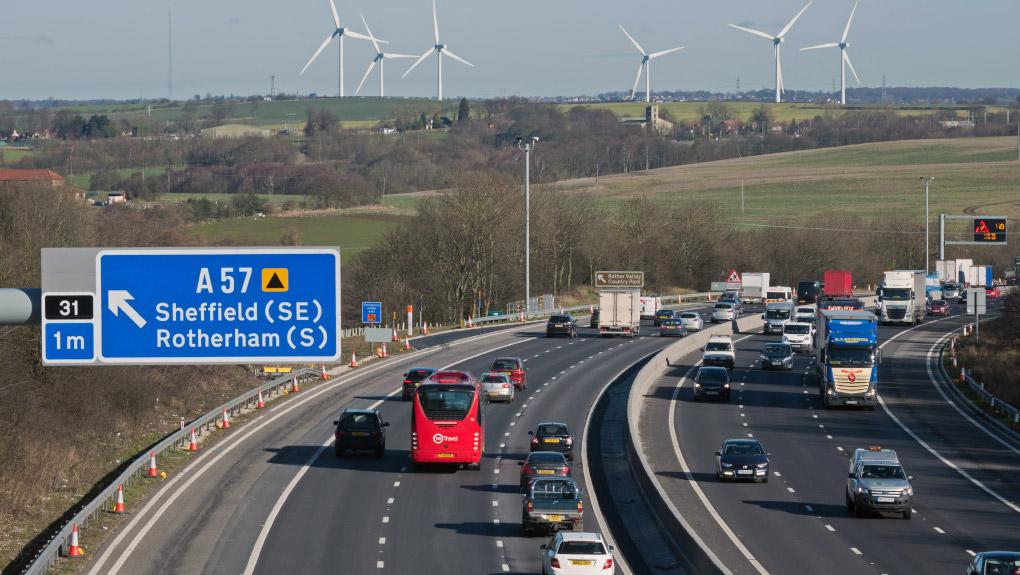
pixel 118 48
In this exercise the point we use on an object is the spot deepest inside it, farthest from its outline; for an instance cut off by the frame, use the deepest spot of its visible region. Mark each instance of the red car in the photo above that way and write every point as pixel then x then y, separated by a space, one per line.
pixel 514 367
pixel 937 307
pixel 992 292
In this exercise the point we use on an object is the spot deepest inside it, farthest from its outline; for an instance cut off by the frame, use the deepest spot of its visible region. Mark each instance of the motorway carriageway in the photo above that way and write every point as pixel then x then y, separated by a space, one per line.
pixel 270 497
pixel 966 479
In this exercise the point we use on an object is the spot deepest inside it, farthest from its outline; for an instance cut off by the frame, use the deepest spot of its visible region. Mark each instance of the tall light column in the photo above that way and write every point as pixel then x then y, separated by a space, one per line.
pixel 527 145
pixel 926 181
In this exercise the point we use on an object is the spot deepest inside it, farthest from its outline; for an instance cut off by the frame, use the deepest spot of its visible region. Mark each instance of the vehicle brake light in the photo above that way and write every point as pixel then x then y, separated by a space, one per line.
pixel 580 507
pixel 506 385
pixel 516 373
pixel 534 440
pixel 526 469
pixel 570 440
pixel 531 507
pixel 565 470
pixel 408 381
pixel 609 564
pixel 554 562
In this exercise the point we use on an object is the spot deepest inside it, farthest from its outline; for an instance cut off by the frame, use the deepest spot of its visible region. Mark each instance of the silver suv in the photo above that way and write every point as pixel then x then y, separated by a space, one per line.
pixel 877 482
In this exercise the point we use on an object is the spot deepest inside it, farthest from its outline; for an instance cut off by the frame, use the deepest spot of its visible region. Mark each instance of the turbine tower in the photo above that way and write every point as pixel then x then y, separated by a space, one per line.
pixel 645 65
pixel 380 58
pixel 844 58
pixel 438 49
pixel 776 40
pixel 338 32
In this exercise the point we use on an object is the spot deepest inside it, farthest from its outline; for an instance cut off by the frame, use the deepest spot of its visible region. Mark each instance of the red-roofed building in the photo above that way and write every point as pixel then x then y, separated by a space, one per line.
pixel 11 176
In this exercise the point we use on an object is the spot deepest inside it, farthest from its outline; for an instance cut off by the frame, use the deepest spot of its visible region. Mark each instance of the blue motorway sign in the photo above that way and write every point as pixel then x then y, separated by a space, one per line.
pixel 218 306
pixel 371 312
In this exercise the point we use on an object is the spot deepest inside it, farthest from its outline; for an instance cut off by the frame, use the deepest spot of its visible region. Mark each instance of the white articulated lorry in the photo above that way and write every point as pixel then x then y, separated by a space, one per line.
pixel 902 297
pixel 620 312
pixel 754 286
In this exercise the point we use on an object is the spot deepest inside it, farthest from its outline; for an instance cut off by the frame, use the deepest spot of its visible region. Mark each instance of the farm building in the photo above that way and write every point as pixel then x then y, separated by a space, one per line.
pixel 236 131
pixel 13 176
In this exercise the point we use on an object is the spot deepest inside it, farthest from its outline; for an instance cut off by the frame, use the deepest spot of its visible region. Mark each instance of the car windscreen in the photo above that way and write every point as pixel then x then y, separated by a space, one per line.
pixel 774 349
pixel 842 357
pixel 445 402
pixel 743 449
pixel 882 472
pixel 359 421
pixel 690 315
pixel 418 374
pixel 712 376
pixel 777 314
pixel 664 313
pixel 559 319
pixel 796 329
pixel 581 548
pixel 997 566
pixel 895 294
pixel 671 322
pixel 552 429
pixel 805 311
pixel 723 306
pixel 545 458
pixel 552 490
pixel 504 365
pixel 493 378
pixel 776 295
pixel 717 346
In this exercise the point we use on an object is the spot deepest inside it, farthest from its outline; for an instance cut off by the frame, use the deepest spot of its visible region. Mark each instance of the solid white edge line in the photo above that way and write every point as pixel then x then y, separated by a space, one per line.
pixel 694 484
pixel 201 464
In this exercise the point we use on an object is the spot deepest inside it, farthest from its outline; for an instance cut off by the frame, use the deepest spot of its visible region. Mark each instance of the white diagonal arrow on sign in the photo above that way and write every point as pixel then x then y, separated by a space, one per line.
pixel 117 300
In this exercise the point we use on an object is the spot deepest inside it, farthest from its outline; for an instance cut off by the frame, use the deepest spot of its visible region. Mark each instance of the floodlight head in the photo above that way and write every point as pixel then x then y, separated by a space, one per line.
pixel 534 138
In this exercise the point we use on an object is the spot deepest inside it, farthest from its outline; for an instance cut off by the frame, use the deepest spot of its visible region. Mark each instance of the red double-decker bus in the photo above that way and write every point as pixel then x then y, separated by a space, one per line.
pixel 446 422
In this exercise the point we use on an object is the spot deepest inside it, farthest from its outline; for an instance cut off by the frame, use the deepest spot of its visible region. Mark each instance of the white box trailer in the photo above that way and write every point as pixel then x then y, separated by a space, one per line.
pixel 620 312
pixel 946 270
pixel 649 305
pixel 961 269
pixel 754 285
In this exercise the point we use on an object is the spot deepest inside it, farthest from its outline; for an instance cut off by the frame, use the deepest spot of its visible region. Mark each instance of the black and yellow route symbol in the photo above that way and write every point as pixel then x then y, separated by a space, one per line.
pixel 274 279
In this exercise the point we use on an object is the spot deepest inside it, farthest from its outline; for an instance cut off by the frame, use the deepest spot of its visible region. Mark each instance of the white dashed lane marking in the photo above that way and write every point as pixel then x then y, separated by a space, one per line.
pixel 382 541
pixel 940 530
pixel 830 527
pixel 856 551
pixel 791 490
pixel 385 519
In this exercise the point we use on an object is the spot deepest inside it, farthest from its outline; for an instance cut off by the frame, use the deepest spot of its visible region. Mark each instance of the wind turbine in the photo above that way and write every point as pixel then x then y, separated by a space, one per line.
pixel 776 41
pixel 439 49
pixel 338 32
pixel 645 65
pixel 380 58
pixel 844 59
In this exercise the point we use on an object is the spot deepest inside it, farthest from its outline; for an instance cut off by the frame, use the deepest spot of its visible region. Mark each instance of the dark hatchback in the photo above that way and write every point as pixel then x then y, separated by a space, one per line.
pixel 553 436
pixel 543 464
pixel 360 429
pixel 777 356
pixel 713 382
pixel 672 327
pixel 561 325
pixel 661 316
pixel 742 459
pixel 413 378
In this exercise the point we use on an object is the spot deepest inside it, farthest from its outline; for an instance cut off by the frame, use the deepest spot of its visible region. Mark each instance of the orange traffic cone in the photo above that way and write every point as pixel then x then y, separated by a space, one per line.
pixel 407 344
pixel 153 472
pixel 469 324
pixel 393 335
pixel 324 375
pixel 118 506
pixel 384 354
pixel 259 402
pixel 425 328
pixel 294 387
pixel 226 419
pixel 354 360
pixel 192 441
pixel 75 549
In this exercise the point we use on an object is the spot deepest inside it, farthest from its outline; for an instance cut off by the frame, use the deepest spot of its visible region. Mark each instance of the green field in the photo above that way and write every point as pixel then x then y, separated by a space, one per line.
pixel 351 233
pixel 268 198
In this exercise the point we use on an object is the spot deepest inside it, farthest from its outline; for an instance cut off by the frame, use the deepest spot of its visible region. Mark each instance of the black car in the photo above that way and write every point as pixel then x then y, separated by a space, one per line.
pixel 360 429
pixel 661 316
pixel 413 378
pixel 561 325
pixel 594 323
pixel 553 436
pixel 742 459
pixel 994 563
pixel 712 382
pixel 777 356
pixel 543 464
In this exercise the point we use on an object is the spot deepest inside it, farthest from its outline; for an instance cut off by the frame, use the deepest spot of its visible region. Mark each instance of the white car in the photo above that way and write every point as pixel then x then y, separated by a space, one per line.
pixel 797 334
pixel 692 320
pixel 805 314
pixel 723 311
pixel 571 552
pixel 497 387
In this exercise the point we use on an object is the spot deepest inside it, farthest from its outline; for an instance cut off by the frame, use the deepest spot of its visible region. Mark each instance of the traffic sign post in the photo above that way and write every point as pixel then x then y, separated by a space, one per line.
pixel 976 306
pixel 192 306
pixel 371 312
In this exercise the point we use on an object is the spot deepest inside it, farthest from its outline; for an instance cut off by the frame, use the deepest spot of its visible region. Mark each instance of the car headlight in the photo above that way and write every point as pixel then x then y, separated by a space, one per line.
pixel 726 386
pixel 763 465
pixel 726 465
pixel 697 385
pixel 909 491
pixel 863 490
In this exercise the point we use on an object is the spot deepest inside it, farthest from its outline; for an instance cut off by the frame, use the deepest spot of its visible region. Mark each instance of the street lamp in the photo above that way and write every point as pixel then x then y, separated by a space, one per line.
pixel 926 181
pixel 527 145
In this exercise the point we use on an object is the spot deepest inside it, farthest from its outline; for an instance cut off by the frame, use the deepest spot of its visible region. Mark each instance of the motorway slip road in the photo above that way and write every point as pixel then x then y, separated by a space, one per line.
pixel 272 498
pixel 965 473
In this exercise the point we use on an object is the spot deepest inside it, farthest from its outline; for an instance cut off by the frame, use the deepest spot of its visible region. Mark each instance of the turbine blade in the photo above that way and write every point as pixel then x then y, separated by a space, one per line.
pixel 633 90
pixel 316 54
pixel 456 57
pixel 848 21
pixel 633 41
pixel 388 55
pixel 829 45
pixel 360 36
pixel 755 32
pixel 435 21
pixel 846 58
pixel 790 23
pixel 336 17
pixel 664 52
pixel 365 77
pixel 370 36
pixel 419 61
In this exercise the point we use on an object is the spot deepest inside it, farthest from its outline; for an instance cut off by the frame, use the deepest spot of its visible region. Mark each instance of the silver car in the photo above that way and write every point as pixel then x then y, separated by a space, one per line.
pixel 723 311
pixel 877 482
pixel 497 387
pixel 691 320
